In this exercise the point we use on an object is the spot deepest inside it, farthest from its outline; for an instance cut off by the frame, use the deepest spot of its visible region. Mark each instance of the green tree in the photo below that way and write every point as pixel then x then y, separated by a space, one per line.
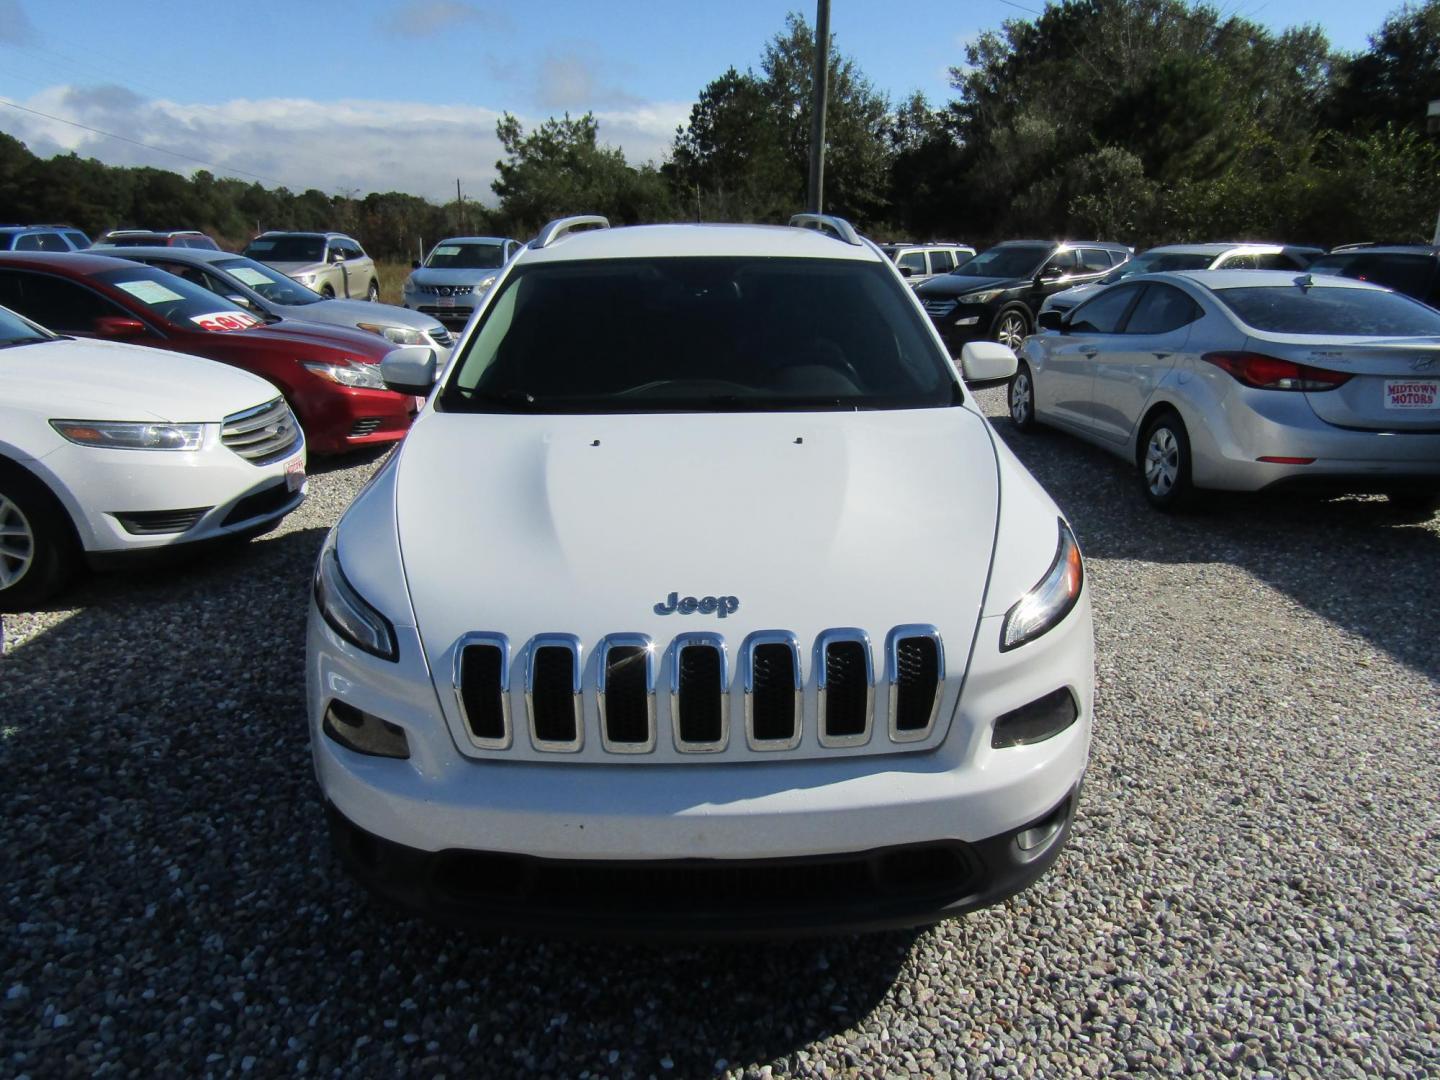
pixel 1395 78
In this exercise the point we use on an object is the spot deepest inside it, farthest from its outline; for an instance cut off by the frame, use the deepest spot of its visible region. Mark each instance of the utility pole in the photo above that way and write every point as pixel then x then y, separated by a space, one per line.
pixel 1432 125
pixel 459 207
pixel 817 111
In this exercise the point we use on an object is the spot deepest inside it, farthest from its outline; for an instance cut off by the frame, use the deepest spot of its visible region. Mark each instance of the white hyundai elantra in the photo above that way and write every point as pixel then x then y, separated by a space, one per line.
pixel 111 452
pixel 702 599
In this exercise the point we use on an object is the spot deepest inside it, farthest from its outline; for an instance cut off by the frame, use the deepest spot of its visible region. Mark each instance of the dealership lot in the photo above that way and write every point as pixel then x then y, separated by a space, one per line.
pixel 1252 883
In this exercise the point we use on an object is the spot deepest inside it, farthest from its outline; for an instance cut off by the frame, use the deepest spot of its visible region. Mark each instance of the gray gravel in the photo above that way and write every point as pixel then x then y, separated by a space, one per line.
pixel 1252 886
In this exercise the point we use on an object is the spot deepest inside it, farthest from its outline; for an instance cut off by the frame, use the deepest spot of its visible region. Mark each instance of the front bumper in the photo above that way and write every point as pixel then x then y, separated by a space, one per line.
pixel 879 889
pixel 967 323
pixel 340 418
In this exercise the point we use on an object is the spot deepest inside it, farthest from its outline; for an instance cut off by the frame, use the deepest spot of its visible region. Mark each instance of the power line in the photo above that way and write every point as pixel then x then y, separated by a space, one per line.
pixel 143 145
pixel 1021 7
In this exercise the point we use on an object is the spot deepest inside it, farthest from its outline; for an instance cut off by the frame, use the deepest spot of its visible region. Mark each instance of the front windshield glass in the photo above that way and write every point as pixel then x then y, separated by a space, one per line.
pixel 176 300
pixel 16 331
pixel 459 256
pixel 1331 311
pixel 267 281
pixel 1155 262
pixel 272 249
pixel 1006 262
pixel 700 335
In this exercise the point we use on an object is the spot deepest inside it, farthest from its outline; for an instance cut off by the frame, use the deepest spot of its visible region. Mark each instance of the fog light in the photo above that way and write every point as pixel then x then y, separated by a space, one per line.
pixel 1042 719
pixel 364 733
pixel 969 320
pixel 1040 833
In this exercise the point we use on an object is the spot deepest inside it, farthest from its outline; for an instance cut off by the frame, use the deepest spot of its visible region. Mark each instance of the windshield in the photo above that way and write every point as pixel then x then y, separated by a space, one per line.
pixel 270 283
pixel 1331 311
pixel 1006 262
pixel 176 300
pixel 1406 272
pixel 286 249
pixel 16 331
pixel 699 335
pixel 1155 262
pixel 454 256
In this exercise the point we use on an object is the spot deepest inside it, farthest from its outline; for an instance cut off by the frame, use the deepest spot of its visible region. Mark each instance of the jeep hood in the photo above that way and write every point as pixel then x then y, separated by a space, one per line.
pixel 583 524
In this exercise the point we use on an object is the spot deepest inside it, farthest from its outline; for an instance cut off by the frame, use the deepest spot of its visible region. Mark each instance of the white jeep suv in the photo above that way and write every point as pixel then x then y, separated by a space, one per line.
pixel 702 599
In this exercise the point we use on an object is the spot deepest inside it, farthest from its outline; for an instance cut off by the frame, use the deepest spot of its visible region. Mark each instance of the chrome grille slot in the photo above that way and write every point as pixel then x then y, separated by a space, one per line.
pixel 846 683
pixel 552 692
pixel 916 661
pixel 699 697
pixel 939 308
pixel 625 684
pixel 263 434
pixel 770 661
pixel 482 688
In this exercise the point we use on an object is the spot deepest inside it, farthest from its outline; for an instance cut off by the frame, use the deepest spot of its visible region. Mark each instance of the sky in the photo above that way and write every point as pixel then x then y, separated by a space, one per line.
pixel 370 95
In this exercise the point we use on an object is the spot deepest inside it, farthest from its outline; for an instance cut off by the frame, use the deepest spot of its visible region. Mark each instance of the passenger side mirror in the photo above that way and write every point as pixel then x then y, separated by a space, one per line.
pixel 1051 320
pixel 907 271
pixel 336 255
pixel 1050 272
pixel 987 362
pixel 118 326
pixel 410 370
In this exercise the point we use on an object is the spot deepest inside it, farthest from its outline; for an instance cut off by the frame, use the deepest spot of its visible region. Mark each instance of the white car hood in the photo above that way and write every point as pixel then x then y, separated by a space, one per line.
pixel 583 524
pixel 76 379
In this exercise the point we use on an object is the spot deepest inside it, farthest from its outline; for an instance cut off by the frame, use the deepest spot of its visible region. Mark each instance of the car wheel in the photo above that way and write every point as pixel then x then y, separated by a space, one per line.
pixel 1011 328
pixel 1164 462
pixel 36 552
pixel 327 291
pixel 1022 398
pixel 373 293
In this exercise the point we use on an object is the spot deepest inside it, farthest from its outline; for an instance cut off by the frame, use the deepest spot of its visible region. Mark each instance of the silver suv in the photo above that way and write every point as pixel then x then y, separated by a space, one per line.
pixel 454 278
pixel 332 264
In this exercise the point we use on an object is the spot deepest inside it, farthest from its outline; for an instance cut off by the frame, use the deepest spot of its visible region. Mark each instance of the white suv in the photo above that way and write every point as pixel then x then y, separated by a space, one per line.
pixel 702 599
pixel 921 262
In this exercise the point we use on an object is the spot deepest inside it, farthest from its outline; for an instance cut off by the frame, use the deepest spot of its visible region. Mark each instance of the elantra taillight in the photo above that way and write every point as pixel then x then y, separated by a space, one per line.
pixel 1271 373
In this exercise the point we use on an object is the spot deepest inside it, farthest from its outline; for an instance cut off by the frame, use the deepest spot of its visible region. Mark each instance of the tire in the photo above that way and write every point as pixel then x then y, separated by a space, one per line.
pixel 327 291
pixel 37 552
pixel 1012 326
pixel 373 292
pixel 1021 397
pixel 1164 463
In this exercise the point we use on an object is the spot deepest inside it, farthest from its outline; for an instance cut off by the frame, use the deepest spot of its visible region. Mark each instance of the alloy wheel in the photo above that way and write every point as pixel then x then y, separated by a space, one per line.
pixel 17 544
pixel 1020 398
pixel 1162 462
pixel 1011 331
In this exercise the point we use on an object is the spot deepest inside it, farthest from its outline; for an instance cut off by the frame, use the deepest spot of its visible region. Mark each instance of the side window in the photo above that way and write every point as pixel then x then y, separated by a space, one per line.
pixel 1279 261
pixel 941 262
pixel 1094 260
pixel 356 251
pixel 77 240
pixel 1240 262
pixel 1104 313
pixel 1162 309
pixel 914 261
pixel 28 242
pixel 1065 262
pixel 60 305
pixel 1117 258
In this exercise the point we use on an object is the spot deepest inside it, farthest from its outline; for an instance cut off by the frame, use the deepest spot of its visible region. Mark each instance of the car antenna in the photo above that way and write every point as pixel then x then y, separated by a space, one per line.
pixel 1305 281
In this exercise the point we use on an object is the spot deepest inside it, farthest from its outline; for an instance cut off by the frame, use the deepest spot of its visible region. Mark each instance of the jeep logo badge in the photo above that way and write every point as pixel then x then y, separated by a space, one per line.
pixel 721 606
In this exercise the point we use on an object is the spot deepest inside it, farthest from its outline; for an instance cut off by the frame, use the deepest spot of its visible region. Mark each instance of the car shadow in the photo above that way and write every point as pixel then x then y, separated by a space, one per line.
pixel 165 821
pixel 1341 558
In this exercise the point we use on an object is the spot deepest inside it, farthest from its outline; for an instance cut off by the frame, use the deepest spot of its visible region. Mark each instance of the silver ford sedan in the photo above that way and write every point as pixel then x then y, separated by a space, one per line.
pixel 1245 381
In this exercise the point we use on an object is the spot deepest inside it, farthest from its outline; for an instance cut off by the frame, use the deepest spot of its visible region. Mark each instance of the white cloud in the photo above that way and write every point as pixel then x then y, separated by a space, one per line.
pixel 338 147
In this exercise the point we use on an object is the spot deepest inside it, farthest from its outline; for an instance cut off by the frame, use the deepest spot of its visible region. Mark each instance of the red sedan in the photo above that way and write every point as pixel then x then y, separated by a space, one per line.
pixel 330 375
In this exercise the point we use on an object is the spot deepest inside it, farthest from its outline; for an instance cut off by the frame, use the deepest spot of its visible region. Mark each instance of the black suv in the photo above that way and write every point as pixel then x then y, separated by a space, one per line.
pixel 997 293
pixel 1413 269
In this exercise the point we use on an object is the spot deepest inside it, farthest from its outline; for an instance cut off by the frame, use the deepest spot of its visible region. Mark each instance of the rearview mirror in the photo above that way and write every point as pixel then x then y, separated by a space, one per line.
pixel 1051 320
pixel 118 326
pixel 410 370
pixel 987 362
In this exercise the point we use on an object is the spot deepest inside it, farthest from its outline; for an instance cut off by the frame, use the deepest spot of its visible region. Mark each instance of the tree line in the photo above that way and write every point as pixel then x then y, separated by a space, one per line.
pixel 1136 120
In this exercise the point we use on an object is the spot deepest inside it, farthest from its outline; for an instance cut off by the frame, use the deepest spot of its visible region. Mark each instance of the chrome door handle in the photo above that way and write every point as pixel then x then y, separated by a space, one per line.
pixel 1089 350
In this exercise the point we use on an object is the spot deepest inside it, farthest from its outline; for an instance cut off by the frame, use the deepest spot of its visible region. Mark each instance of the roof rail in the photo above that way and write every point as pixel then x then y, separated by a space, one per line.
pixel 561 226
pixel 836 226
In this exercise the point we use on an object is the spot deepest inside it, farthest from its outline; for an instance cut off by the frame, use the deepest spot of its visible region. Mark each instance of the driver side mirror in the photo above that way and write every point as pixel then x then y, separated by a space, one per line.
pixel 1051 320
pixel 410 370
pixel 336 255
pixel 118 326
pixel 907 271
pixel 1050 272
pixel 987 362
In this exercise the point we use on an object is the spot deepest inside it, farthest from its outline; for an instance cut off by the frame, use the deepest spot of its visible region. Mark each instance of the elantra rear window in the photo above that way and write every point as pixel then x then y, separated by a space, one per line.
pixel 700 335
pixel 1331 311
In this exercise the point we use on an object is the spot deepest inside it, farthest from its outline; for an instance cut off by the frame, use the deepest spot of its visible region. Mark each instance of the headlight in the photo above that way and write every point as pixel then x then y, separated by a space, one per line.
pixel 486 283
pixel 400 335
pixel 346 611
pixel 984 296
pixel 306 279
pixel 1050 600
pixel 131 436
pixel 409 285
pixel 366 376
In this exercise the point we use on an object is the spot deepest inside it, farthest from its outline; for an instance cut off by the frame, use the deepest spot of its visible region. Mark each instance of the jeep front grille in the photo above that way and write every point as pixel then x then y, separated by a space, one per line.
pixel 861 700
pixel 263 434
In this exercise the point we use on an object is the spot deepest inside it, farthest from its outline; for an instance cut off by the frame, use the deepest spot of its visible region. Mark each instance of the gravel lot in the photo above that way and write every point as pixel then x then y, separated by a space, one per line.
pixel 1252 885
